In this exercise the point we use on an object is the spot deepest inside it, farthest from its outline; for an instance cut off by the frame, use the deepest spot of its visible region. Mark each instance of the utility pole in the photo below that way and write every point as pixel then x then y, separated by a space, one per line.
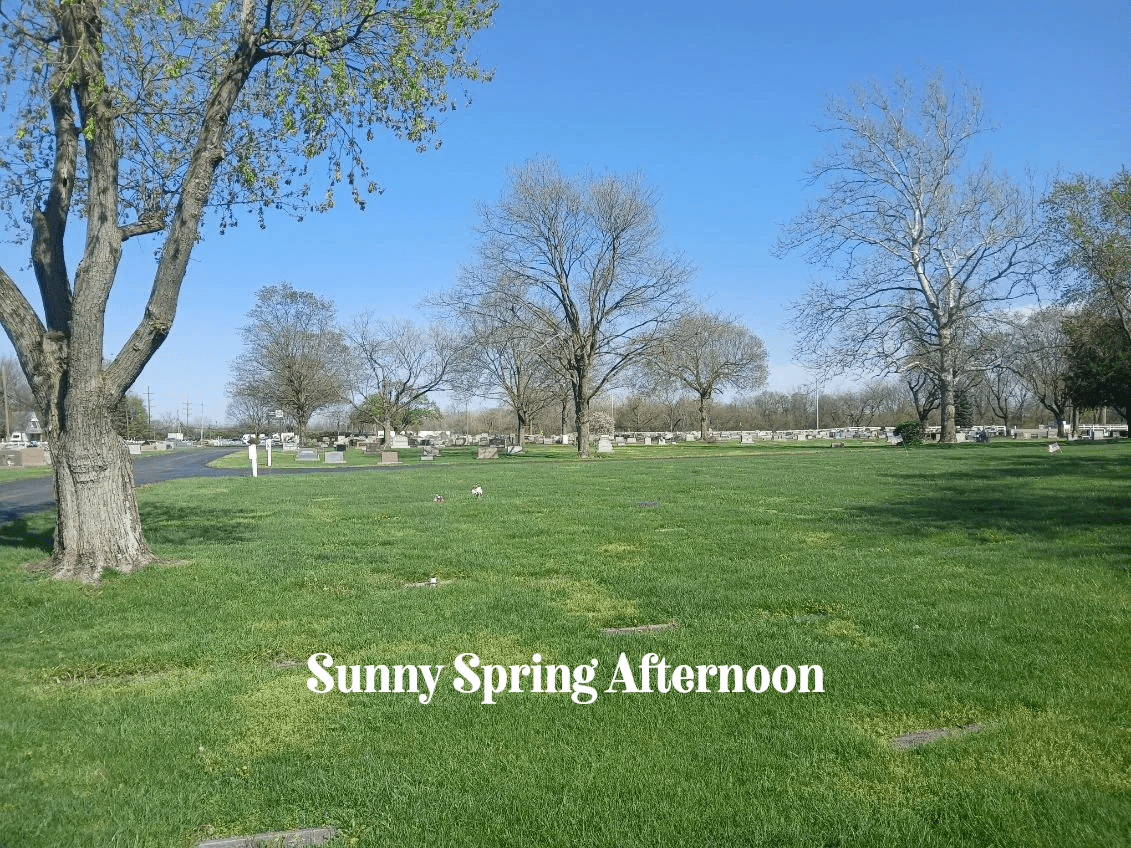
pixel 202 422
pixel 149 410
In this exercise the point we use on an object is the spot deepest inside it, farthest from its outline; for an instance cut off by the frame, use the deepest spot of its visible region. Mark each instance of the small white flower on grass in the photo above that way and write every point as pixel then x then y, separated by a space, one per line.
pixel 438 499
pixel 477 491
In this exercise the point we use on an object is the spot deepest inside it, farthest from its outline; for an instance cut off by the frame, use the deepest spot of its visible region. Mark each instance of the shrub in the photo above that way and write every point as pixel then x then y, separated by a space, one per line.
pixel 912 432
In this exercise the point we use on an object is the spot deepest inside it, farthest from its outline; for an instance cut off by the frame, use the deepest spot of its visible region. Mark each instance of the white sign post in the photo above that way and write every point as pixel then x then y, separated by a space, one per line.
pixel 253 455
pixel 269 453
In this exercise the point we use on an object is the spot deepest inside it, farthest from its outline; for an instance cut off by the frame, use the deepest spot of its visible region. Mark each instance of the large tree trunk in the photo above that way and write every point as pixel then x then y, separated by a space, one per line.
pixel 949 433
pixel 581 414
pixel 704 418
pixel 522 425
pixel 97 525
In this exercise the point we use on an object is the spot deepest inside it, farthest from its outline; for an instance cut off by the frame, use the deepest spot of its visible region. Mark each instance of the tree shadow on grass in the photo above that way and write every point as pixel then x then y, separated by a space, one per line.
pixel 22 533
pixel 165 524
pixel 1011 495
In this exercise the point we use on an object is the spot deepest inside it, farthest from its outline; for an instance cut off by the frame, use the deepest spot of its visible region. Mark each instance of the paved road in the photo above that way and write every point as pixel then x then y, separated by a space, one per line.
pixel 22 497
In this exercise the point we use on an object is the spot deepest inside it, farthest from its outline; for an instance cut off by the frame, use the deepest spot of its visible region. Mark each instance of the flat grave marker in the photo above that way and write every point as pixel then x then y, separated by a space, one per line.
pixel 307 455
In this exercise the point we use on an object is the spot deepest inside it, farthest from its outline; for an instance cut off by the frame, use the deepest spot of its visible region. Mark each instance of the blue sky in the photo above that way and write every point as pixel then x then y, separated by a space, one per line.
pixel 715 103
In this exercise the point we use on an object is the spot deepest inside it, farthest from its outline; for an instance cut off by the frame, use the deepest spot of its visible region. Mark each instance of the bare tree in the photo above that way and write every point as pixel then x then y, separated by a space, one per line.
pixel 1005 393
pixel 248 410
pixel 707 353
pixel 135 118
pixel 295 357
pixel 1042 361
pixel 580 263
pixel 400 364
pixel 926 247
pixel 498 362
pixel 15 392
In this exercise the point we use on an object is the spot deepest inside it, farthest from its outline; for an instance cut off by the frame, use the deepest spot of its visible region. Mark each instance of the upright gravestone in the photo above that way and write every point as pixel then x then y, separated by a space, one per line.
pixel 513 449
pixel 307 455
pixel 604 445
pixel 400 442
pixel 487 452
pixel 428 453
pixel 335 457
pixel 390 457
pixel 647 440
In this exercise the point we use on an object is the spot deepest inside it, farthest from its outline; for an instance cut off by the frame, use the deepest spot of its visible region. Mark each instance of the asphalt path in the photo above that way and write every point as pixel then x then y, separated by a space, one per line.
pixel 36 494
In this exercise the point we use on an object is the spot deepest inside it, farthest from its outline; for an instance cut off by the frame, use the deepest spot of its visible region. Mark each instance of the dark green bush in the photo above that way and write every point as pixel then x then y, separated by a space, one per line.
pixel 912 432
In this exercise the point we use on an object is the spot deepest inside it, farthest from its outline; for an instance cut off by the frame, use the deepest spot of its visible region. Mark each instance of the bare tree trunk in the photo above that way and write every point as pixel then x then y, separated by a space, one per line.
pixel 581 414
pixel 704 418
pixel 97 524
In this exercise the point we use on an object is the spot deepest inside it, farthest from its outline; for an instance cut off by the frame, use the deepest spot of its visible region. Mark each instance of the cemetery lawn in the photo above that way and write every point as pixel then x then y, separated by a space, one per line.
pixel 981 586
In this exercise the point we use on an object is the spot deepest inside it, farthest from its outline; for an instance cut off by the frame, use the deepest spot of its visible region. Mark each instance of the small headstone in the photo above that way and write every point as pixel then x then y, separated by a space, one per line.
pixel 487 452
pixel 484 441
pixel 643 628
pixel 1054 447
pixel 338 457
pixel 400 442
pixel 307 455
pixel 647 440
pixel 922 737
pixel 512 450
pixel 135 449
pixel 604 446
pixel 620 441
pixel 429 453
pixel 662 441
pixel 390 457
pixel 285 838
pixel 631 440
pixel 837 445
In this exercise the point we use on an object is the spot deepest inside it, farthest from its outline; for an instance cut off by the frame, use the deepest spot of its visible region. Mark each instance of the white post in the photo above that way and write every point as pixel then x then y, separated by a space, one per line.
pixel 252 454
pixel 269 452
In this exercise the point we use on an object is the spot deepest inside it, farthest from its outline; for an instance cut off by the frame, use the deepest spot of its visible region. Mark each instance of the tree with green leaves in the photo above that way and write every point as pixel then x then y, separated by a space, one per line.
pixel 131 119
pixel 1089 222
pixel 1098 363
pixel 130 418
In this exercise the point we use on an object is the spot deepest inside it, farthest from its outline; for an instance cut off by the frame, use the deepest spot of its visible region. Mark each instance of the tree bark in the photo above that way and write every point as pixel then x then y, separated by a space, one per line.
pixel 581 414
pixel 97 525
pixel 704 418
pixel 949 433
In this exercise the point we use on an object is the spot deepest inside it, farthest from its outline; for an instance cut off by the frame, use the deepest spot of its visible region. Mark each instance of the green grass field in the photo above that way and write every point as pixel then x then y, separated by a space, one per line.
pixel 936 588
